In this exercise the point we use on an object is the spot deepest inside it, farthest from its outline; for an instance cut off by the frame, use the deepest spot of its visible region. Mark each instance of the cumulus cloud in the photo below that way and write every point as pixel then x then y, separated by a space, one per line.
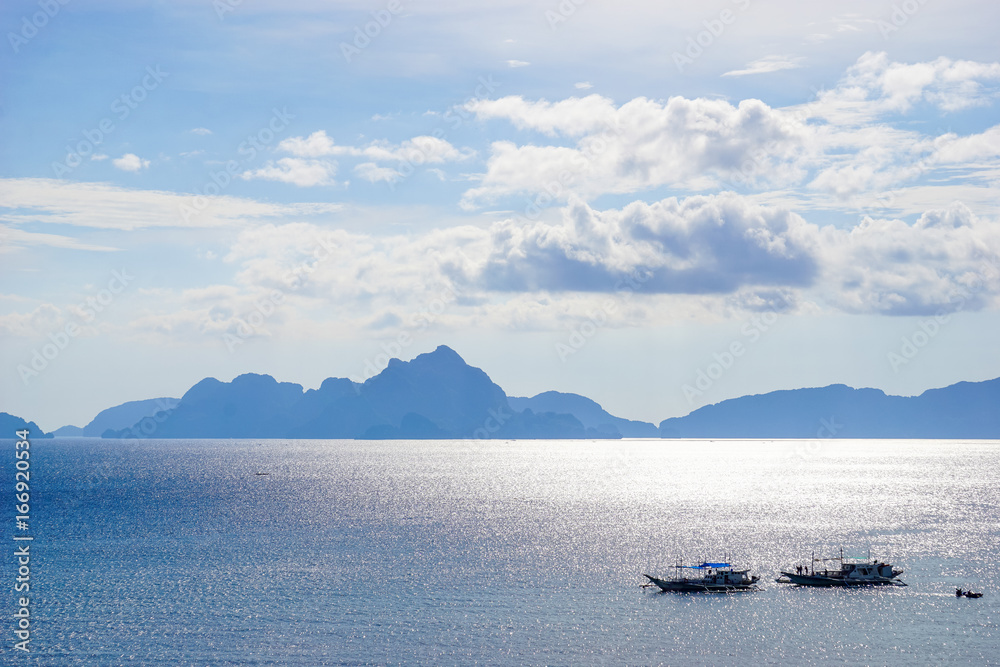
pixel 44 319
pixel 317 144
pixel 875 86
pixel 839 146
pixel 373 173
pixel 724 248
pixel 571 117
pixel 130 162
pixel 948 260
pixel 297 171
pixel 694 144
pixel 699 245
pixel 675 258
pixel 417 150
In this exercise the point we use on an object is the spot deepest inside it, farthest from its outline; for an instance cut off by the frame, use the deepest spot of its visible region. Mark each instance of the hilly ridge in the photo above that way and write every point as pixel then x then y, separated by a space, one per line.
pixel 962 410
pixel 438 395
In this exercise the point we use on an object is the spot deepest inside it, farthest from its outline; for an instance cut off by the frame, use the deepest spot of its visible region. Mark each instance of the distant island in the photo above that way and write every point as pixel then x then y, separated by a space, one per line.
pixel 439 396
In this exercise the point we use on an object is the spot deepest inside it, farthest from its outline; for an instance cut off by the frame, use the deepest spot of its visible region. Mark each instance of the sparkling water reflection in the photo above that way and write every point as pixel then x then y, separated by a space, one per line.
pixel 525 552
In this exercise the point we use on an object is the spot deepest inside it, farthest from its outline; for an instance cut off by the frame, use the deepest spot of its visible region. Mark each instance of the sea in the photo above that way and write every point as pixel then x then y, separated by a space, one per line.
pixel 336 552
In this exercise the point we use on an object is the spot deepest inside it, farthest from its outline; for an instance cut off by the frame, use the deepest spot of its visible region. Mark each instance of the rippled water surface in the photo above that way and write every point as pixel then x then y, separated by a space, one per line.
pixel 524 552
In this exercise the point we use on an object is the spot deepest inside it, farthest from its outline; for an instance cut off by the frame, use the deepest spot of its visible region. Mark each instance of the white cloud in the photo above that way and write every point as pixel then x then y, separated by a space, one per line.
pixel 710 250
pixel 130 162
pixel 838 146
pixel 639 145
pixel 297 171
pixel 517 63
pixel 418 150
pixel 698 245
pixel 98 157
pixel 583 85
pixel 373 173
pixel 13 238
pixel 693 257
pixel 767 64
pixel 44 319
pixel 105 206
pixel 948 260
pixel 317 144
pixel 572 117
pixel 875 86
pixel 201 131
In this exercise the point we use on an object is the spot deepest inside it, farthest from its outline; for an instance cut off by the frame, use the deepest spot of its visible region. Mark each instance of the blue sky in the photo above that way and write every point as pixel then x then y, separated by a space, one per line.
pixel 657 205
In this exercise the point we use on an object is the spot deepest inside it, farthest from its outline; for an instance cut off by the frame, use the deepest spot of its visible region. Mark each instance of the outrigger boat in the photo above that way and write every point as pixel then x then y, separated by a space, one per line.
pixel 714 578
pixel 852 572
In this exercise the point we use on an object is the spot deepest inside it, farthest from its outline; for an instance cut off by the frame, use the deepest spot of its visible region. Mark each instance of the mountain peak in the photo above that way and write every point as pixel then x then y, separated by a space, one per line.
pixel 445 352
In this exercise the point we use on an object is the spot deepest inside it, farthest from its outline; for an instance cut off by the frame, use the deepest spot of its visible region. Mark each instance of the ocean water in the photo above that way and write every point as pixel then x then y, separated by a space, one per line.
pixel 499 553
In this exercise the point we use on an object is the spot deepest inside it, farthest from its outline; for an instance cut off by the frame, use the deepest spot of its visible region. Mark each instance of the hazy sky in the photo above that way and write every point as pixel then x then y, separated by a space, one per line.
pixel 659 205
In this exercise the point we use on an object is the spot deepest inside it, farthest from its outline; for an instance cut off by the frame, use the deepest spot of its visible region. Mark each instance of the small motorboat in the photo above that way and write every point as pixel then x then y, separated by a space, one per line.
pixel 959 593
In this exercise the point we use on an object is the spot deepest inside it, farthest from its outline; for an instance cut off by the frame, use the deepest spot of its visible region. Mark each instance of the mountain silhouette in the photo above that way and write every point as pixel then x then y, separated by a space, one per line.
pixel 438 395
pixel 590 413
pixel 963 410
pixel 10 424
pixel 127 414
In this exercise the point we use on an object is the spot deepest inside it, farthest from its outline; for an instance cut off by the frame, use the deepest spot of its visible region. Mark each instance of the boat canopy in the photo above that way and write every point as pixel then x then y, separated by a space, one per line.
pixel 705 566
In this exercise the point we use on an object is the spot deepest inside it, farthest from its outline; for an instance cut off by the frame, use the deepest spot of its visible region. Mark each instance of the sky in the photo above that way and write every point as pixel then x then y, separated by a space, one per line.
pixel 658 205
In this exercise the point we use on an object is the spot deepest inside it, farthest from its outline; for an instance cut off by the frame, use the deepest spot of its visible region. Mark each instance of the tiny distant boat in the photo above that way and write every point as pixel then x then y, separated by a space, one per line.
pixel 706 578
pixel 852 572
pixel 968 594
